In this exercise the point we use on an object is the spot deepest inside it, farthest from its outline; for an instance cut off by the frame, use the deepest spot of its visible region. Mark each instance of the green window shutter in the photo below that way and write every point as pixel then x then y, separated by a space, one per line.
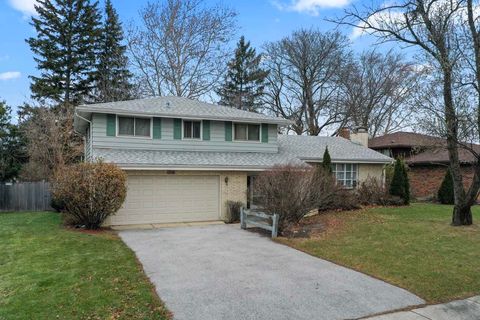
pixel 264 132
pixel 206 129
pixel 228 131
pixel 177 129
pixel 157 128
pixel 111 125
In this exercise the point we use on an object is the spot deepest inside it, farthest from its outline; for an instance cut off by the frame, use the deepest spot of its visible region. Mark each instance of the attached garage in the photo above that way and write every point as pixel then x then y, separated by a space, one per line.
pixel 165 198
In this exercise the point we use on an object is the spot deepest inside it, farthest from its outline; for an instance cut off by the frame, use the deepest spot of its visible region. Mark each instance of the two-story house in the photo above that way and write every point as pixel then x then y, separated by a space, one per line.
pixel 186 158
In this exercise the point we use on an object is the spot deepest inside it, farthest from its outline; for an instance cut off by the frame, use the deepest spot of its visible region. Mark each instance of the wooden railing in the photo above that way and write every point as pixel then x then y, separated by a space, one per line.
pixel 259 219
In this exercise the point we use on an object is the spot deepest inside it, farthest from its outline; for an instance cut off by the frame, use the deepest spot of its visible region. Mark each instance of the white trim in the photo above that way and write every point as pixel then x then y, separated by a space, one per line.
pixel 117 127
pixel 201 129
pixel 353 179
pixel 247 141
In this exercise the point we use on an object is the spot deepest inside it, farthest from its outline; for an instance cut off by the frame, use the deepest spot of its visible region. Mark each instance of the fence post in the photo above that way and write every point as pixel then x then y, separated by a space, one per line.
pixel 275 226
pixel 243 222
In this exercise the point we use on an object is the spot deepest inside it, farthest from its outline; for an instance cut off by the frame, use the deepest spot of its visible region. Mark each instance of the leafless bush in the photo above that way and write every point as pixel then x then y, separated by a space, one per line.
pixel 89 192
pixel 233 211
pixel 293 191
pixel 373 192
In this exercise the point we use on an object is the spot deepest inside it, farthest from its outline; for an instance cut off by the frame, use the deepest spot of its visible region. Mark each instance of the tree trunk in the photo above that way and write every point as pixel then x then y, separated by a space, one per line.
pixel 462 215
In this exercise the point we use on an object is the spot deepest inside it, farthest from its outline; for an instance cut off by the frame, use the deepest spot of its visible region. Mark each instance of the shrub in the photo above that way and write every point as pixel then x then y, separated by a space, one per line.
pixel 445 193
pixel 327 161
pixel 406 182
pixel 400 185
pixel 293 191
pixel 372 192
pixel 90 192
pixel 286 191
pixel 331 195
pixel 233 211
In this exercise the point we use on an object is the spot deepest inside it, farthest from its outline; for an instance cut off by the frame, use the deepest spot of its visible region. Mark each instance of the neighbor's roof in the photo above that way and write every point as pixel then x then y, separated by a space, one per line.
pixel 403 139
pixel 291 150
pixel 171 106
pixel 439 155
pixel 425 149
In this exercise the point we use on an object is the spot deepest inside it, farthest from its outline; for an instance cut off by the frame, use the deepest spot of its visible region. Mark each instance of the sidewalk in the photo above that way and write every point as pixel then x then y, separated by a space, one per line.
pixel 468 309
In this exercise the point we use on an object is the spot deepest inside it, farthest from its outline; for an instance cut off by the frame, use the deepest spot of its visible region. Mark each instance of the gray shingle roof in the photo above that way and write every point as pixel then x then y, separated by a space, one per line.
pixel 340 149
pixel 292 150
pixel 179 107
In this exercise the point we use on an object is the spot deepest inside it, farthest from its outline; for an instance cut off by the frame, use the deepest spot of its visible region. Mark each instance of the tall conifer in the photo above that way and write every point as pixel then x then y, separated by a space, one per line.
pixel 112 76
pixel 65 49
pixel 245 79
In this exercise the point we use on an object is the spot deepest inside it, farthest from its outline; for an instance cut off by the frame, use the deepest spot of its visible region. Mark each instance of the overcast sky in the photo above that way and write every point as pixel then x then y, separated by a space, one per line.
pixel 259 20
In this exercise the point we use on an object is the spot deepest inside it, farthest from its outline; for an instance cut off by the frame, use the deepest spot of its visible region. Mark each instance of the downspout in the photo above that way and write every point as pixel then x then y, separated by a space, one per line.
pixel 89 132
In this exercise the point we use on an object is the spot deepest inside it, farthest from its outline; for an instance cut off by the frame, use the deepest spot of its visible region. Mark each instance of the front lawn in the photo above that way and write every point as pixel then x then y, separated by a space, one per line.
pixel 413 247
pixel 49 272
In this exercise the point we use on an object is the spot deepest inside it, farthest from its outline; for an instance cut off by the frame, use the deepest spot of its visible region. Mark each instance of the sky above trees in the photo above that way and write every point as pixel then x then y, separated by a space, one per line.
pixel 259 21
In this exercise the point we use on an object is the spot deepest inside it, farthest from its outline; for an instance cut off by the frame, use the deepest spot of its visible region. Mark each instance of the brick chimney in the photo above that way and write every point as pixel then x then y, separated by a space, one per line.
pixel 360 136
pixel 344 133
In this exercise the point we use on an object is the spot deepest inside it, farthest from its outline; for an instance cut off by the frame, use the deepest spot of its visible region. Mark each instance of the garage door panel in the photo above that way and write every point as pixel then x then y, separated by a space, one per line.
pixel 164 198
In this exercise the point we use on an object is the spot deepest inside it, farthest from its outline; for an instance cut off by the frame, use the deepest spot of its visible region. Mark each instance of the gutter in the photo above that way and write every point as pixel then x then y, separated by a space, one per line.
pixel 89 129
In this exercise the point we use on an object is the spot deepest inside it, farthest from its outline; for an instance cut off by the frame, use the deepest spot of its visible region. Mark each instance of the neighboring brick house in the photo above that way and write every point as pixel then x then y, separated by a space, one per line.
pixel 427 159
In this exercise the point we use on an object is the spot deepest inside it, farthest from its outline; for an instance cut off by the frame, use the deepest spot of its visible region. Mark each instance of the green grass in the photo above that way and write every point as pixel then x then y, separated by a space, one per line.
pixel 49 272
pixel 413 247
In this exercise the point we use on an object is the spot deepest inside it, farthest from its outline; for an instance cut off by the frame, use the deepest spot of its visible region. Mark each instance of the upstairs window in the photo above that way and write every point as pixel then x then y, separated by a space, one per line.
pixel 345 174
pixel 133 126
pixel 246 132
pixel 192 129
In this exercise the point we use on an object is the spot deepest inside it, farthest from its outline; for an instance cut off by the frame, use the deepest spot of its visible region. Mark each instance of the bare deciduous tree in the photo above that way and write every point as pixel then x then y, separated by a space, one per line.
pixel 378 91
pixel 305 70
pixel 180 47
pixel 51 141
pixel 437 29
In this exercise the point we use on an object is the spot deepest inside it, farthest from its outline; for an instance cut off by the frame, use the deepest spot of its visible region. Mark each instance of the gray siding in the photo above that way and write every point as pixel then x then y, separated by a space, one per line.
pixel 216 143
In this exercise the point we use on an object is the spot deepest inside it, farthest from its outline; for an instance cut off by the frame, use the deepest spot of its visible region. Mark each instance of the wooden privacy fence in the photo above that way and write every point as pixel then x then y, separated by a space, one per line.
pixel 25 196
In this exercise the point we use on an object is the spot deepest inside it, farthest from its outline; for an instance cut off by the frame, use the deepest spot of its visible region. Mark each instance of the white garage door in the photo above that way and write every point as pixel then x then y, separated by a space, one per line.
pixel 169 198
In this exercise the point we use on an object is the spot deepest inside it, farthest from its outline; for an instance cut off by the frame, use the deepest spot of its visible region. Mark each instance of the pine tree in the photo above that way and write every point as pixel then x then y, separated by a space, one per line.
pixel 445 193
pixel 113 76
pixel 406 184
pixel 65 49
pixel 327 161
pixel 245 79
pixel 12 145
pixel 397 186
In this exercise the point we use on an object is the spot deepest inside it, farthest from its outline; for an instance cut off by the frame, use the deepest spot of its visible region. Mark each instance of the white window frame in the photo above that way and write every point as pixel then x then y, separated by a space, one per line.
pixel 201 129
pixel 342 182
pixel 247 141
pixel 117 125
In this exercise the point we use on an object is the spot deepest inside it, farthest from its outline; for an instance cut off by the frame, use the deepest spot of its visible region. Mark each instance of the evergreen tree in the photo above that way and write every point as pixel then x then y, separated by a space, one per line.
pixel 65 49
pixel 397 186
pixel 245 79
pixel 406 182
pixel 327 161
pixel 445 193
pixel 12 146
pixel 113 76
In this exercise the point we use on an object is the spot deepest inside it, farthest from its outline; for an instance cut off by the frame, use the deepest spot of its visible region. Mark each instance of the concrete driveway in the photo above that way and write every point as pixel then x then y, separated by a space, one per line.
pixel 222 272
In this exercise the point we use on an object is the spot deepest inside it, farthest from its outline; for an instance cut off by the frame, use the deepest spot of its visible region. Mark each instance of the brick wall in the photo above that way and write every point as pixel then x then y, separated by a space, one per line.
pixel 425 180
